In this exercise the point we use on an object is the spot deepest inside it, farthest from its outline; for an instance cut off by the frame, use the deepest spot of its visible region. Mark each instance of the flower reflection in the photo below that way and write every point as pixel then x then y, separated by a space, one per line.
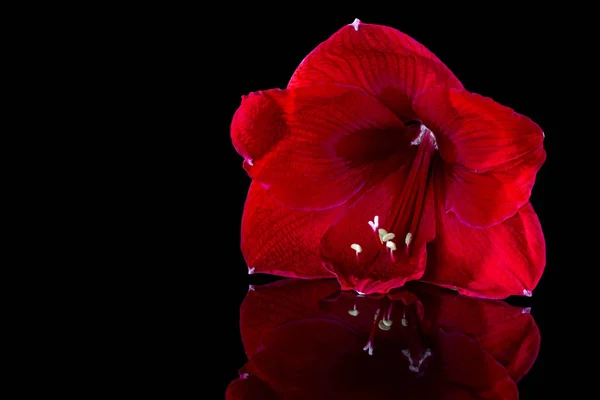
pixel 308 340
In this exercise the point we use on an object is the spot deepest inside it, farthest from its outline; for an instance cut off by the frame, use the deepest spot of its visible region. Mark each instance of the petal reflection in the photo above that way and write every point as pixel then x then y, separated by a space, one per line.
pixel 308 340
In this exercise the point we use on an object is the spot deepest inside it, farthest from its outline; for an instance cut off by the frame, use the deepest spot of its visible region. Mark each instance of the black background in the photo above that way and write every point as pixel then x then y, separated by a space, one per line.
pixel 512 59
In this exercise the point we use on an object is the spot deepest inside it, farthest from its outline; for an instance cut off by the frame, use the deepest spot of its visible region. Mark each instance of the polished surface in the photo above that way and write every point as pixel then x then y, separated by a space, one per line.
pixel 309 340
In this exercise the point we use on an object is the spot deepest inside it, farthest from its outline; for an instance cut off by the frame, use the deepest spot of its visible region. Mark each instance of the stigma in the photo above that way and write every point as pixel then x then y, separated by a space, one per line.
pixel 412 367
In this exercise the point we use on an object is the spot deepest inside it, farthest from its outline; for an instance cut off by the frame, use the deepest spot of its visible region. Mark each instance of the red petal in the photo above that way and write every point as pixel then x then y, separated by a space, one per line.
pixel 496 262
pixel 492 154
pixel 404 203
pixel 249 388
pixel 385 62
pixel 280 241
pixel 508 333
pixel 472 371
pixel 315 147
pixel 269 306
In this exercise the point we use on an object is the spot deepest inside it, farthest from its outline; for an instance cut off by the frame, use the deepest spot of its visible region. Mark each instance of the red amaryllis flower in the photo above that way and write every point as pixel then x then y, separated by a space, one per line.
pixel 307 340
pixel 375 163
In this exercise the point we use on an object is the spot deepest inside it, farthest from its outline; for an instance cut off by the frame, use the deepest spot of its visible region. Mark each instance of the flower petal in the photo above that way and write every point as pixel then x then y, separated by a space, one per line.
pixel 316 147
pixel 281 241
pixel 473 372
pixel 373 270
pixel 484 200
pixel 491 154
pixel 496 262
pixel 273 304
pixel 508 333
pixel 384 61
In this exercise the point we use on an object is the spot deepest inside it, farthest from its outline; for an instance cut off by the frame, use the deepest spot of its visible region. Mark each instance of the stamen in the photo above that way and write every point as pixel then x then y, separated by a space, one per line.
pixel 404 320
pixel 375 223
pixel 369 347
pixel 354 312
pixel 356 247
pixel 392 246
pixel 407 241
pixel 387 318
pixel 376 314
pixel 387 236
pixel 382 325
pixel 382 233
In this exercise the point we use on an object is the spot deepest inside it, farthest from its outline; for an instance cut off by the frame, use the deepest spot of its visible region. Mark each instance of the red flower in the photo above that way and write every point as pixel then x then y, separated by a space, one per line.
pixel 374 158
pixel 307 340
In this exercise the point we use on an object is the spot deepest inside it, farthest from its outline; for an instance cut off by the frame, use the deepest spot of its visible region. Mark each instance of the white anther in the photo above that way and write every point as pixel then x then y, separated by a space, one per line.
pixel 355 24
pixel 387 236
pixel 391 245
pixel 408 238
pixel 375 223
pixel 383 326
pixel 354 312
pixel 356 247
pixel 387 322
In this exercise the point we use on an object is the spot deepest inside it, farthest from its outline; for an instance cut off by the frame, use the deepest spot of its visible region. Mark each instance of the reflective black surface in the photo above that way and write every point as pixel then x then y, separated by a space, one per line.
pixel 308 340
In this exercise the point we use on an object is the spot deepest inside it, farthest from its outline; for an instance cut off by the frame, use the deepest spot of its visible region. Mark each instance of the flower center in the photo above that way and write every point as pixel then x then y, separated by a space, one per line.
pixel 408 203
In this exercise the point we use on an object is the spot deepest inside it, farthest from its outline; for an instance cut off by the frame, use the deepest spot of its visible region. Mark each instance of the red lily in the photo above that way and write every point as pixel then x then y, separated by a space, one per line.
pixel 374 158
pixel 306 340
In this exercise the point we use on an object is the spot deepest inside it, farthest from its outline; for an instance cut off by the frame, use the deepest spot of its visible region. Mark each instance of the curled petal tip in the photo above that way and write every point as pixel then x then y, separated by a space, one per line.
pixel 355 24
pixel 527 293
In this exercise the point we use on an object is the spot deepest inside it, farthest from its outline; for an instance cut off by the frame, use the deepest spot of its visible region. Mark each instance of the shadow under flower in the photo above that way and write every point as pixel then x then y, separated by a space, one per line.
pixel 309 340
